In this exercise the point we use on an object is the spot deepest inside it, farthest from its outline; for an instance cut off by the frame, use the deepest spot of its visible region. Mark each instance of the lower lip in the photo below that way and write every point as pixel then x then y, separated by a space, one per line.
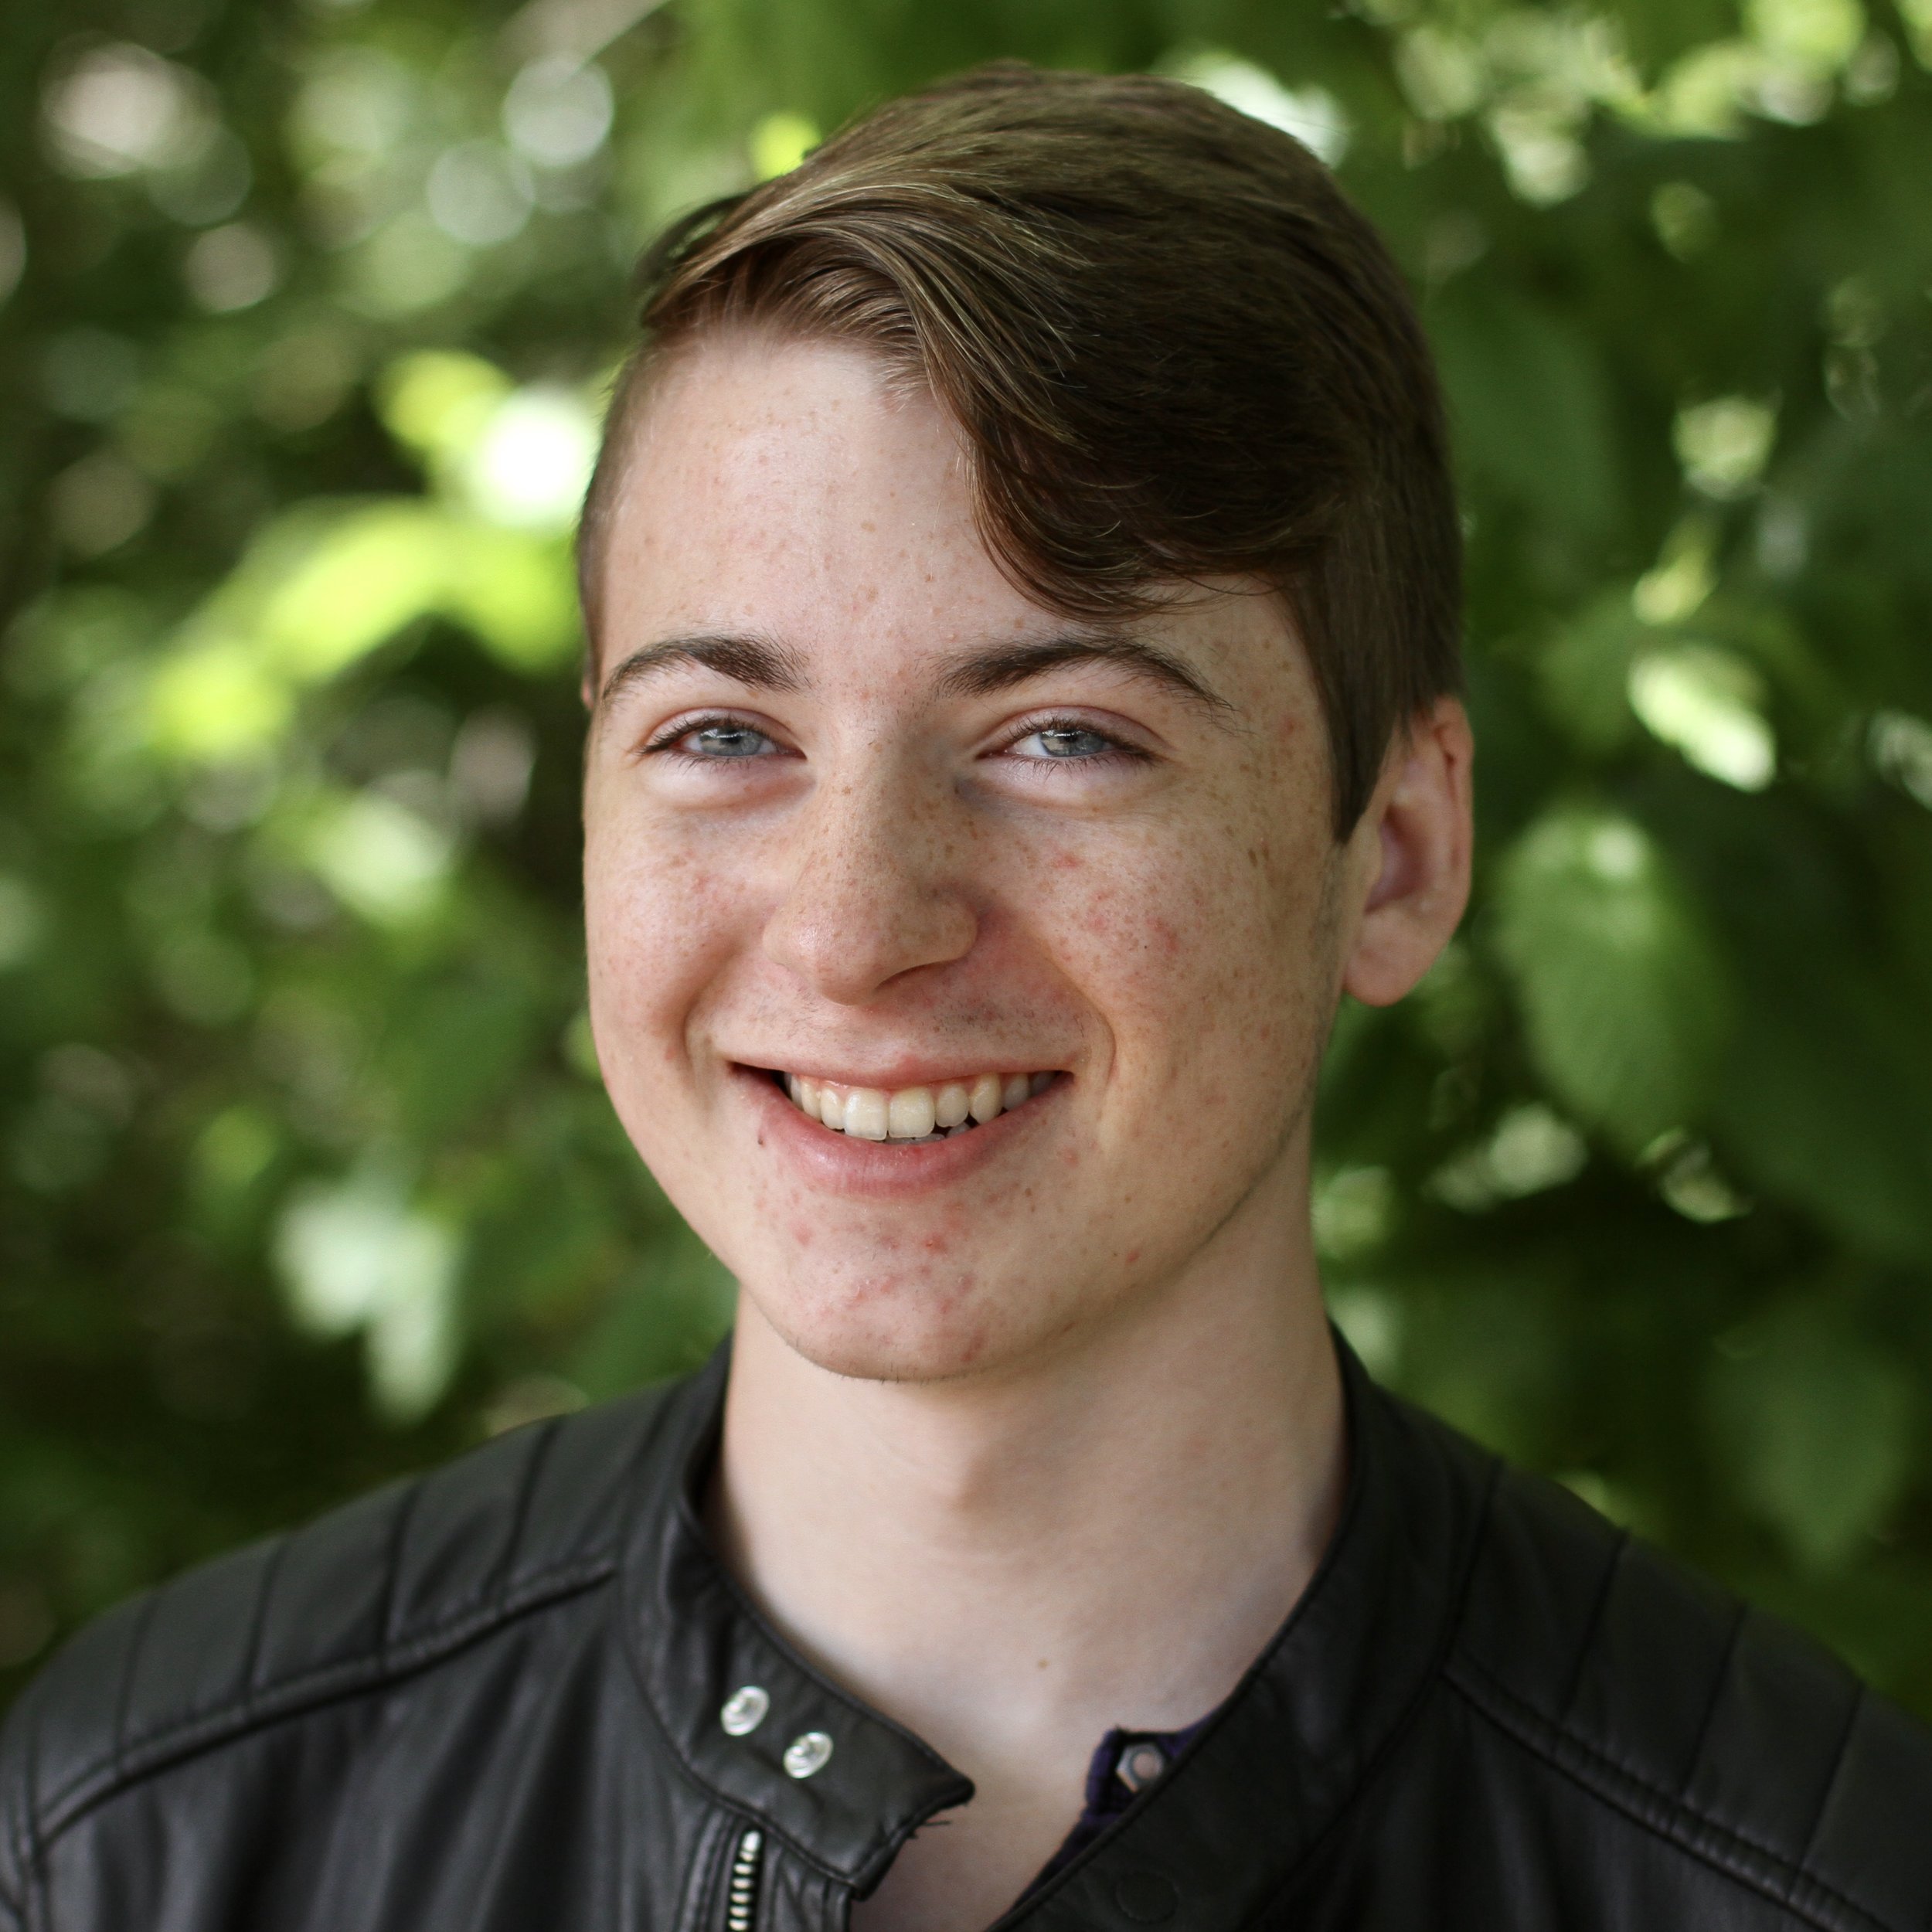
pixel 883 1170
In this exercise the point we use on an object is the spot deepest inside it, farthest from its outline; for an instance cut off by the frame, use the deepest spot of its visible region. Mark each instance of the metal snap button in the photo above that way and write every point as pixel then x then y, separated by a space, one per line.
pixel 1146 1897
pixel 808 1755
pixel 744 1710
pixel 1141 1764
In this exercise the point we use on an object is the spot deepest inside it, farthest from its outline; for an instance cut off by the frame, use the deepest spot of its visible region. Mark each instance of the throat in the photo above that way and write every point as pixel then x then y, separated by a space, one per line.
pixel 962 1563
pixel 1012 1571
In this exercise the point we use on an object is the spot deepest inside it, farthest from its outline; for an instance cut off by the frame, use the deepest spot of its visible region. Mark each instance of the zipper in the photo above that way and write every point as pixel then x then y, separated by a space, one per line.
pixel 741 1890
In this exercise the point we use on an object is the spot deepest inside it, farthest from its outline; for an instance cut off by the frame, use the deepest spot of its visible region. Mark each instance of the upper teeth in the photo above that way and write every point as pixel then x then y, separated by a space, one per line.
pixel 911 1113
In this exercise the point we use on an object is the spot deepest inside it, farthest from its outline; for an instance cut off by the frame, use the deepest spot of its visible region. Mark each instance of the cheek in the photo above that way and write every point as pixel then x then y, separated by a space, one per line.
pixel 1206 951
pixel 1168 926
pixel 657 923
pixel 1126 928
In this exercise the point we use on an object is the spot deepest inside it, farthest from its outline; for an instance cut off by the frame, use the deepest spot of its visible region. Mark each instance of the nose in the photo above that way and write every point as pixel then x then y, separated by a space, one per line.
pixel 871 891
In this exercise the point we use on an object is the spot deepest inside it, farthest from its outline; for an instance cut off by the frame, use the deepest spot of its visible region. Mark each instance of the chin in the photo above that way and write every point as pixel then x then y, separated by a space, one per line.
pixel 892 1329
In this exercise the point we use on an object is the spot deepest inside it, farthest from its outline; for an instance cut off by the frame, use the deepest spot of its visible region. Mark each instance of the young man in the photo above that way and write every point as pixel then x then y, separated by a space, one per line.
pixel 1022 579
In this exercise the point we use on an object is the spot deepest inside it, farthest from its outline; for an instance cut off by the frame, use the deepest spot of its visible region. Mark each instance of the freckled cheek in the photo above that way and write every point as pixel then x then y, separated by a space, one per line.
pixel 1181 960
pixel 1139 936
pixel 660 928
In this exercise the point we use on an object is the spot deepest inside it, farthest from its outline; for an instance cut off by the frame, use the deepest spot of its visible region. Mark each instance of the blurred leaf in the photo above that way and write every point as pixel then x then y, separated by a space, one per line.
pixel 379 858
pixel 663 1321
pixel 1814 1426
pixel 1709 704
pixel 215 700
pixel 374 569
pixel 359 1258
pixel 1824 1101
pixel 1584 673
pixel 323 588
pixel 439 403
pixel 779 142
pixel 1528 407
pixel 518 594
pixel 1623 989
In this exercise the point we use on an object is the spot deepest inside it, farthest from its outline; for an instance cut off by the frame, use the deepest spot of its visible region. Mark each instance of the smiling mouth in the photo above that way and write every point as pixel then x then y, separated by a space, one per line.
pixel 911 1115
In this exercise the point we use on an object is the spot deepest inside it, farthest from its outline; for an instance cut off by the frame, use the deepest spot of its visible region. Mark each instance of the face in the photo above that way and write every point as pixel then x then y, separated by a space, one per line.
pixel 1046 920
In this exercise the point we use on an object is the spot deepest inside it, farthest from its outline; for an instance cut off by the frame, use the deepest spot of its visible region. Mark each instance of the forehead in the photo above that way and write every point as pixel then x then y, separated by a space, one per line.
pixel 803 491
pixel 766 470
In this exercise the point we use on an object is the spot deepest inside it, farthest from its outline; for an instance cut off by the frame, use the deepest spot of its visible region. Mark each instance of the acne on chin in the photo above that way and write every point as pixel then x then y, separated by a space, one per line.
pixel 930 1289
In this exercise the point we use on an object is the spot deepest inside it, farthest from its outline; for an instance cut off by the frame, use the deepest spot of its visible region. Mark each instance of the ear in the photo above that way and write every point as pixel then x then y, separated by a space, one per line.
pixel 1409 857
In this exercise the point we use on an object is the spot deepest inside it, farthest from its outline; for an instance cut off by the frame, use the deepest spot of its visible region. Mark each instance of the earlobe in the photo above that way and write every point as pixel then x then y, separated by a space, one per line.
pixel 1419 824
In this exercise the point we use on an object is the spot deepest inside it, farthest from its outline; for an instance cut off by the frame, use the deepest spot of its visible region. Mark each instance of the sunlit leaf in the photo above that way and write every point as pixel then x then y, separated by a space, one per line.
pixel 518 594
pixel 376 569
pixel 359 1258
pixel 779 142
pixel 530 465
pixel 438 402
pixel 379 857
pixel 217 699
pixel 1709 704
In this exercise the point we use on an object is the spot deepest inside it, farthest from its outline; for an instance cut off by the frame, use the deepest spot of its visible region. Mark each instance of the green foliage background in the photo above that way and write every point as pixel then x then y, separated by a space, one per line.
pixel 306 1173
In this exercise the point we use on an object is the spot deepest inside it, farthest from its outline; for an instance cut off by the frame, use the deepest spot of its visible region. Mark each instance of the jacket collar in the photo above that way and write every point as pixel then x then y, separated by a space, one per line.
pixel 1221 1833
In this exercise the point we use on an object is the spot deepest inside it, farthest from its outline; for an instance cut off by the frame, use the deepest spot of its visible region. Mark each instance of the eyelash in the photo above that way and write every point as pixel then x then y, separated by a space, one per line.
pixel 1116 748
pixel 667 741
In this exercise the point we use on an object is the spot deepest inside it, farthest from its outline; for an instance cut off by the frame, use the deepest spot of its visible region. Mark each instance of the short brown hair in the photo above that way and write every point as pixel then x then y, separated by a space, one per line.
pixel 1176 350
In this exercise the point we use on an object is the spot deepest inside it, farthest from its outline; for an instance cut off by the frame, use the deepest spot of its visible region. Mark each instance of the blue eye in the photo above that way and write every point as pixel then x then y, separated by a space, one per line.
pixel 718 740
pixel 1066 742
pixel 727 741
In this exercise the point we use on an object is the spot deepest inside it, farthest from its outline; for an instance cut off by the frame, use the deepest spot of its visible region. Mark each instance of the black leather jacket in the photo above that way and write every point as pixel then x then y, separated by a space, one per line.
pixel 490 1700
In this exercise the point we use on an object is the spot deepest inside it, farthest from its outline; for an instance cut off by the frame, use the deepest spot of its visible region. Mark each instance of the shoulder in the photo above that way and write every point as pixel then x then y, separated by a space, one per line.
pixel 383 1587
pixel 1713 1727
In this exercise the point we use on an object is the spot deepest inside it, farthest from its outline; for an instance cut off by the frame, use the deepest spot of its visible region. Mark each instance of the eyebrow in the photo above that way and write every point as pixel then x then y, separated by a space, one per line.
pixel 762 664
pixel 981 673
pixel 754 662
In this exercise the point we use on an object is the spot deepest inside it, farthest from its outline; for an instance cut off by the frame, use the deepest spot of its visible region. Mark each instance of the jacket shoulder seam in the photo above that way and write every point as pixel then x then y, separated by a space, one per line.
pixel 255 1708
pixel 1838 1766
pixel 1740 1856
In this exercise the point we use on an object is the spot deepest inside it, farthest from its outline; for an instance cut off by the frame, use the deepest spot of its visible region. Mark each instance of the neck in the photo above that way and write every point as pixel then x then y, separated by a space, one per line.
pixel 1009 1564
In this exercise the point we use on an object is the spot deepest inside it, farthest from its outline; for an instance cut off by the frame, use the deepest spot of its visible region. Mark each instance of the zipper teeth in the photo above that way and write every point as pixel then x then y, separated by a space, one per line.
pixel 741 1892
